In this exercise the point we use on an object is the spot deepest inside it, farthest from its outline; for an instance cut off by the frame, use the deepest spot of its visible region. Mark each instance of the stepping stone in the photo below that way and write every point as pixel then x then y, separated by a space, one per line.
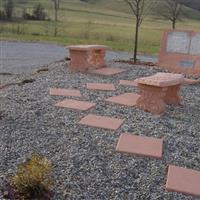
pixel 107 71
pixel 65 92
pixel 128 83
pixel 183 180
pixel 127 99
pixel 100 86
pixel 74 104
pixel 190 81
pixel 140 145
pixel 102 122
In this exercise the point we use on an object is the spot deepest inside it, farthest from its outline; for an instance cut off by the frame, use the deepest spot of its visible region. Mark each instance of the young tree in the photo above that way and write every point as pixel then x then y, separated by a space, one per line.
pixel 56 8
pixel 139 9
pixel 8 8
pixel 172 11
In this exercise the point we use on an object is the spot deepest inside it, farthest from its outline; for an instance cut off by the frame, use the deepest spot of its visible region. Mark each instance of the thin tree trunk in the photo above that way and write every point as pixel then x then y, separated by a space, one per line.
pixel 58 6
pixel 56 17
pixel 174 24
pixel 55 30
pixel 136 41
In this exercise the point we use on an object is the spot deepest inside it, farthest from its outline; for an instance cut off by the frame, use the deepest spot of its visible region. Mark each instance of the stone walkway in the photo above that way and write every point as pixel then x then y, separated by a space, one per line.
pixel 179 179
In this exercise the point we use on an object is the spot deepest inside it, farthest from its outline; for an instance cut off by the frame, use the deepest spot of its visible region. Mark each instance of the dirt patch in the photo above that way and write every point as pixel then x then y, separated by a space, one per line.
pixel 131 62
pixel 25 81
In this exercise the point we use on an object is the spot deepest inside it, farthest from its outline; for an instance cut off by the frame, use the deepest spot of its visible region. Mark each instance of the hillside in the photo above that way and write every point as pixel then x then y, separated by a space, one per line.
pixel 108 22
pixel 111 6
pixel 195 4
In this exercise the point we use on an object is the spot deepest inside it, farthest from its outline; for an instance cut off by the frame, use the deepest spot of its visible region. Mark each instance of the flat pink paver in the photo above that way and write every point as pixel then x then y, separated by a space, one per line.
pixel 128 83
pixel 183 180
pixel 101 86
pixel 107 71
pixel 101 122
pixel 64 92
pixel 127 99
pixel 74 104
pixel 140 145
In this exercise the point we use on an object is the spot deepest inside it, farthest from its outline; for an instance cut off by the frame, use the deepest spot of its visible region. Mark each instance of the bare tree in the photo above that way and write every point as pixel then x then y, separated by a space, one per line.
pixel 56 8
pixel 8 8
pixel 139 9
pixel 172 11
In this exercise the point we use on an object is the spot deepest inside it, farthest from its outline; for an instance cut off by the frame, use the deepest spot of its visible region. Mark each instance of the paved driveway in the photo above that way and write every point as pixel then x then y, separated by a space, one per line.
pixel 20 57
pixel 23 57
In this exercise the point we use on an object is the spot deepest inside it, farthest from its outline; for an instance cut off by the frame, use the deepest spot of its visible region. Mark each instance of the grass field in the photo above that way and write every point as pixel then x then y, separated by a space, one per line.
pixel 108 22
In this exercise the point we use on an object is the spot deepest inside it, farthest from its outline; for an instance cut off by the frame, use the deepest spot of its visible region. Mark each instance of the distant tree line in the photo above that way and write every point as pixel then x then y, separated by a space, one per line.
pixel 38 12
pixel 7 11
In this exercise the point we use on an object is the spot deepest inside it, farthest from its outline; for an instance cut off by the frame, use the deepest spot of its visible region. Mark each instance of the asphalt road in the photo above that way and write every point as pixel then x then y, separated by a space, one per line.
pixel 20 57
pixel 24 57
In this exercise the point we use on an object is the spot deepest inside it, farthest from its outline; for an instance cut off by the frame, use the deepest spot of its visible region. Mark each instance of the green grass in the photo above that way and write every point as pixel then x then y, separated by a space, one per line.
pixel 108 22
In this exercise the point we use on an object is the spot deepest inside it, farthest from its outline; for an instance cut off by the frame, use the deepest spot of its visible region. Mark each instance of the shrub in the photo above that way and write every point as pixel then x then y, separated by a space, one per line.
pixel 33 178
pixel 110 37
pixel 2 15
pixel 38 12
pixel 28 16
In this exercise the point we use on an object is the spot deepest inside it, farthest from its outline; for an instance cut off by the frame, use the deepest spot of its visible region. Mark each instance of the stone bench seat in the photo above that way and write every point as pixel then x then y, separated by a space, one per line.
pixel 162 79
pixel 85 57
pixel 158 90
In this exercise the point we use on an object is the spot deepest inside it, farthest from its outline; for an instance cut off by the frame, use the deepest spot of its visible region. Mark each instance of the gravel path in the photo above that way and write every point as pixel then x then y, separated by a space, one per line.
pixel 86 165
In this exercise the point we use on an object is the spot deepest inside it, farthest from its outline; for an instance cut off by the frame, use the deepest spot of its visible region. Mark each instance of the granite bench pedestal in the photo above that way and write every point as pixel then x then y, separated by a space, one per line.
pixel 85 57
pixel 158 90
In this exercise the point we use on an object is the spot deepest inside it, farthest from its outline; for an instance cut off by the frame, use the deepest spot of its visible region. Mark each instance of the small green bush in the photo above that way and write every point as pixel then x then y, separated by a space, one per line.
pixel 33 178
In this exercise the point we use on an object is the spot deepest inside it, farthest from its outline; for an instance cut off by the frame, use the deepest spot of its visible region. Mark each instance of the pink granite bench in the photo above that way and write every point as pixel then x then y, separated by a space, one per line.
pixel 84 57
pixel 158 90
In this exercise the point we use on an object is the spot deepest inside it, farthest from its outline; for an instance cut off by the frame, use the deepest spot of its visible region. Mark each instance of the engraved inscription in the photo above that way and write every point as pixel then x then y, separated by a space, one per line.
pixel 195 45
pixel 187 63
pixel 178 42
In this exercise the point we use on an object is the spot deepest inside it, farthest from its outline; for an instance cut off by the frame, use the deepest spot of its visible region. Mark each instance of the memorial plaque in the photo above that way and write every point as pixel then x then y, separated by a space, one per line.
pixel 180 52
pixel 195 45
pixel 186 63
pixel 178 42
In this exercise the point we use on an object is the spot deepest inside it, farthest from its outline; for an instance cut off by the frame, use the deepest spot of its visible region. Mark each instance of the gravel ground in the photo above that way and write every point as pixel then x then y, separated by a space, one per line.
pixel 86 165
